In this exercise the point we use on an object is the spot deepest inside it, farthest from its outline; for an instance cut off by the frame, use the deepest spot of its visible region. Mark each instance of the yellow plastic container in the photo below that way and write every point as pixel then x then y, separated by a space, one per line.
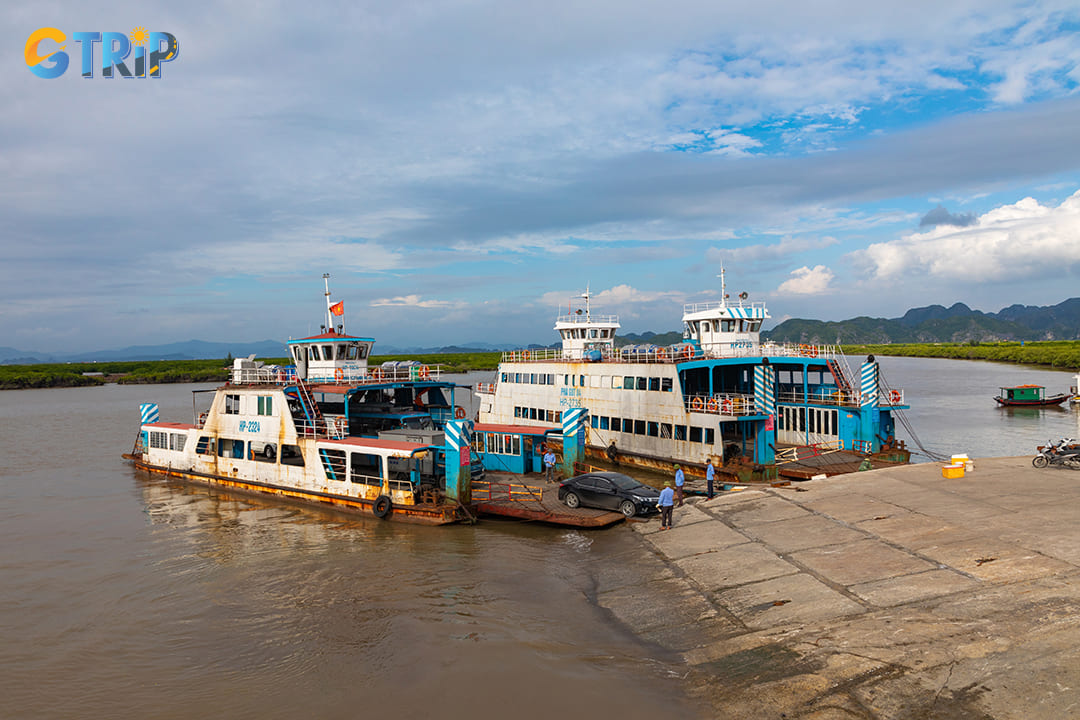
pixel 952 471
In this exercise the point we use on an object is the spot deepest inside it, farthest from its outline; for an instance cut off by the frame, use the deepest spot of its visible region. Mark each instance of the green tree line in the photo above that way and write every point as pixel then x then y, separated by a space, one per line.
pixel 1058 354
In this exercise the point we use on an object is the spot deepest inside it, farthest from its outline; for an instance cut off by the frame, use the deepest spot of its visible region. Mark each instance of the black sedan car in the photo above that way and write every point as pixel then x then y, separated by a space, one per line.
pixel 609 491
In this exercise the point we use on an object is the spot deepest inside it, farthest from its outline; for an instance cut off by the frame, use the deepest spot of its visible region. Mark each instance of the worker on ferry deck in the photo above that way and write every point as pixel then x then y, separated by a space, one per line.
pixel 679 480
pixel 549 463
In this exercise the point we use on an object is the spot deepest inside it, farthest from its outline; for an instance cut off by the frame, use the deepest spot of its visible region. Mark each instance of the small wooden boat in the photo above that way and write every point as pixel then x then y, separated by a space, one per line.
pixel 1028 396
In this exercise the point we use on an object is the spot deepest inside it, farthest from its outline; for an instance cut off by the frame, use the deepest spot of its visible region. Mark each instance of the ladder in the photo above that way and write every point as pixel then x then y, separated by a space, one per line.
pixel 838 366
pixel 311 408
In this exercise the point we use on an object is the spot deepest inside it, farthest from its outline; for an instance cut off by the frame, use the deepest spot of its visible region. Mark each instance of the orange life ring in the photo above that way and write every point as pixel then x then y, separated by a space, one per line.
pixel 726 406
pixel 425 372
pixel 812 352
pixel 376 373
pixel 895 396
pixel 526 355
pixel 696 404
pixel 459 413
pixel 661 354
pixel 711 405
pixel 688 351
pixel 339 375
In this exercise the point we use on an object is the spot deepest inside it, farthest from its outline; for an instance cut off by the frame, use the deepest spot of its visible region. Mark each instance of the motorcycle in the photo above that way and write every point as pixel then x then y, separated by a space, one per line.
pixel 1064 452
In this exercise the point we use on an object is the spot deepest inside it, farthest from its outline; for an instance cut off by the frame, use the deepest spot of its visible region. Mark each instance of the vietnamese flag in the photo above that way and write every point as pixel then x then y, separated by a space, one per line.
pixel 338 308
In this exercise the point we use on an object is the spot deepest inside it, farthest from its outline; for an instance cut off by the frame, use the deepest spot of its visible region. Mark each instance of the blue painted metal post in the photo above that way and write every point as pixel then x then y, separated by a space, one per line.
pixel 458 462
pixel 574 422
pixel 868 406
pixel 765 400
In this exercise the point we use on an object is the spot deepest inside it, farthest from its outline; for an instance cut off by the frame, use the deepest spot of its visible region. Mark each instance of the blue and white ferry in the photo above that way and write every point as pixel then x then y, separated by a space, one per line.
pixel 385 440
pixel 760 409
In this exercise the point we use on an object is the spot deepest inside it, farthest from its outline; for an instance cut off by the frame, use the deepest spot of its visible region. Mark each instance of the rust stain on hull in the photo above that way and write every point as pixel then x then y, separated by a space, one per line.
pixel 415 514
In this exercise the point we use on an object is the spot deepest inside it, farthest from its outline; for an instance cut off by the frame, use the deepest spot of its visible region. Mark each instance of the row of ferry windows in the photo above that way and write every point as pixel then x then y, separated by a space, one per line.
pixel 649 428
pixel 338 351
pixel 726 326
pixel 618 382
pixel 527 413
pixel 587 334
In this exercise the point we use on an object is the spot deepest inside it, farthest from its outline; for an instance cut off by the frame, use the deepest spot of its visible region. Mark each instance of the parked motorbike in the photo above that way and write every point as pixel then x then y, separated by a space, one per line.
pixel 1064 452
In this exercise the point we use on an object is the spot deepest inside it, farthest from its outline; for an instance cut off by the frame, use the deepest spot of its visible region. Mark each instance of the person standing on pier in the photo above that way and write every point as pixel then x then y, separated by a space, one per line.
pixel 710 472
pixel 666 504
pixel 679 480
pixel 549 463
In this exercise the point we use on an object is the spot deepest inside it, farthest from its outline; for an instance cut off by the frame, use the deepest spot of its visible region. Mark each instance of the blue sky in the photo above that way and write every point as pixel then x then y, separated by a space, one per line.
pixel 462 168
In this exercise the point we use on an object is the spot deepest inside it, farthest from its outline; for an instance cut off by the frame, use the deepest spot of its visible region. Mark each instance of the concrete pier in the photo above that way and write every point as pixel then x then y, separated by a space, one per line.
pixel 893 594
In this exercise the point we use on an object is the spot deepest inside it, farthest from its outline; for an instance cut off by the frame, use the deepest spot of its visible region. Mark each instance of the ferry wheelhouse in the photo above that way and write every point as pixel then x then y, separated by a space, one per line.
pixel 720 394
pixel 329 429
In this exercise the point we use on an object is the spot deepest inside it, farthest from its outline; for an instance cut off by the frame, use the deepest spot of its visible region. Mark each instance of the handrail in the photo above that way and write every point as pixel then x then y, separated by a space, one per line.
pixel 274 375
pixel 514 492
pixel 733 404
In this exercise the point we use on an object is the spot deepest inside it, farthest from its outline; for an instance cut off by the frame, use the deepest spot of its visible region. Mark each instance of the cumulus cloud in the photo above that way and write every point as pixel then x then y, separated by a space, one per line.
pixel 807 281
pixel 1022 240
pixel 941 216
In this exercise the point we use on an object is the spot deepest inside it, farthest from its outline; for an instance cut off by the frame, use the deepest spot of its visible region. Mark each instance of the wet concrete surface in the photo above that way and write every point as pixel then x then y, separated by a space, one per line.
pixel 877 595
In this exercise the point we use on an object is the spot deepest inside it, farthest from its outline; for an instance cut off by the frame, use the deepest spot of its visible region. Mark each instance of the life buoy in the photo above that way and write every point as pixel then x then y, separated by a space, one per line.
pixel 526 355
pixel 339 375
pixel 382 506
pixel 711 405
pixel 661 354
pixel 726 406
pixel 459 413
pixel 688 351
pixel 811 351
pixel 376 373
pixel 697 404
pixel 895 396
pixel 425 372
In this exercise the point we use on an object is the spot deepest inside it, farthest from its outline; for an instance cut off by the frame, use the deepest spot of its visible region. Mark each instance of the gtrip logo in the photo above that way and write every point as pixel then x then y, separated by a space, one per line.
pixel 115 49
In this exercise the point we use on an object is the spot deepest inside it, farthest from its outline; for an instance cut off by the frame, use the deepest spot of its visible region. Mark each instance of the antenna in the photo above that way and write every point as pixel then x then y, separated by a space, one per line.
pixel 723 287
pixel 588 317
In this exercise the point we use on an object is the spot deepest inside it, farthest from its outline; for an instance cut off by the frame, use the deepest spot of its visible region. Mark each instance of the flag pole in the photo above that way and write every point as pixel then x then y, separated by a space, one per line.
pixel 329 317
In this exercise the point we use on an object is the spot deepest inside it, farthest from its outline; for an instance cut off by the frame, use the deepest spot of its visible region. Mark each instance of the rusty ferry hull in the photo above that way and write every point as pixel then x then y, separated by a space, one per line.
pixel 419 514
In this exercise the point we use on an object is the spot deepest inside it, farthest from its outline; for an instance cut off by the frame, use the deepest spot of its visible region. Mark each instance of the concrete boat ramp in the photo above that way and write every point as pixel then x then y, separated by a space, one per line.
pixel 893 593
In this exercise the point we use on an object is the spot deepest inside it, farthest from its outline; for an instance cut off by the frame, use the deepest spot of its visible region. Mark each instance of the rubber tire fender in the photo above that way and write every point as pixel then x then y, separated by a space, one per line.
pixel 382 506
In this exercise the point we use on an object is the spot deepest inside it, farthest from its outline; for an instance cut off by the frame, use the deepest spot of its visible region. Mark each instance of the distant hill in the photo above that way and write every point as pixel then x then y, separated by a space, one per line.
pixel 936 323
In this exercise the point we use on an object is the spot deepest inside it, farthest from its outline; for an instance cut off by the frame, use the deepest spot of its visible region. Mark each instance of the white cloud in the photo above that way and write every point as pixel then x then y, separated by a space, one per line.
pixel 782 250
pixel 807 281
pixel 413 301
pixel 1012 242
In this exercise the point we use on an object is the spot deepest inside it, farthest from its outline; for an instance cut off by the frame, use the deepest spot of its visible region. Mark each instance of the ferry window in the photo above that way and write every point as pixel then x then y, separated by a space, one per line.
pixel 811 421
pixel 755 325
pixel 628 426
pixel 706 327
pixel 665 384
pixel 727 326
pixel 565 379
pixel 594 381
pixel 639 427
pixel 517 411
pixel 341 351
pixel 313 353
pixel 581 381
pixel 695 434
pixel 532 378
pixel 551 416
pixel 266 405
pixel 363 351
pixel 653 429
pixel 232 404
pixel 353 352
pixel 595 420
pixel 802 419
pixel 654 383
pixel 628 382
pixel 204 446
pixel 328 352
pixel 230 448
pixel 616 381
pixel 517 377
pixel 297 353
pixel 665 430
pixel 604 423
pixel 680 432
pixel 551 379
pixel 333 462
pixel 532 413
pixel 505 377
pixel 616 424
pixel 158 440
pixel 710 436
pixel 478 443
pixel 558 416
pixel 364 468
pixel 643 383
pixel 176 441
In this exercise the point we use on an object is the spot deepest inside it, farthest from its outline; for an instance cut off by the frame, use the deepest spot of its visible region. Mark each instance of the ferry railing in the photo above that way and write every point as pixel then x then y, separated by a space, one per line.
pixel 333 428
pixel 576 319
pixel 506 491
pixel 274 375
pixel 485 388
pixel 267 375
pixel 718 305
pixel 834 397
pixel 722 404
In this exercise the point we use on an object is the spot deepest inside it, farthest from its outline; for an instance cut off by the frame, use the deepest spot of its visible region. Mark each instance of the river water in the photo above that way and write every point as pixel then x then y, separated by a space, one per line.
pixel 123 596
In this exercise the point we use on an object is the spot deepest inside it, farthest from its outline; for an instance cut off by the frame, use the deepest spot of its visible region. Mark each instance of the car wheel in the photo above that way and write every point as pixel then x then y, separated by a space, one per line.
pixel 628 508
pixel 572 500
pixel 268 451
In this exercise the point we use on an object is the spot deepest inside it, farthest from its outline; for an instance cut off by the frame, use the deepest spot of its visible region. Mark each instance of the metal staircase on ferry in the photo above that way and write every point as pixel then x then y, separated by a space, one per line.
pixel 838 366
pixel 314 417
